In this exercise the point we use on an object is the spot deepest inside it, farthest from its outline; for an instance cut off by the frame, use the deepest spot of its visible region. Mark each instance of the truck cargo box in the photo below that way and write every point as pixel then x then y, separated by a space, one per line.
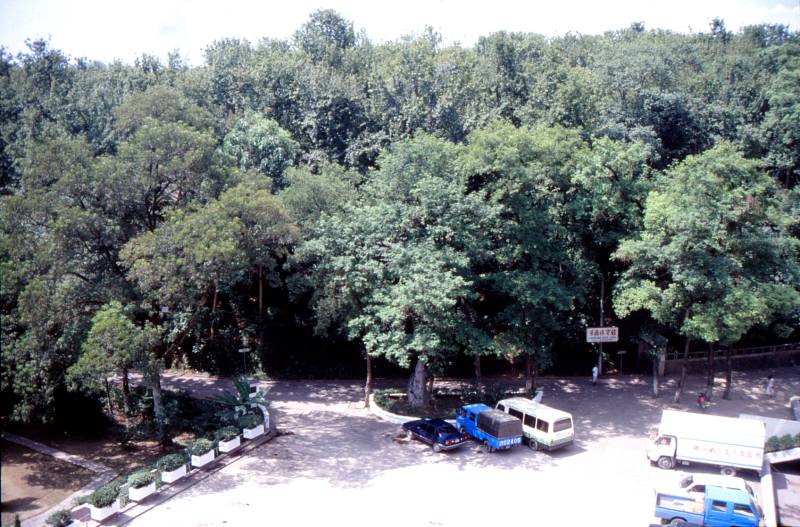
pixel 499 424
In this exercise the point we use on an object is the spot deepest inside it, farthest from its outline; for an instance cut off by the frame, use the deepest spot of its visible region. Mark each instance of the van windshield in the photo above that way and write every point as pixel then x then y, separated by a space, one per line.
pixel 562 424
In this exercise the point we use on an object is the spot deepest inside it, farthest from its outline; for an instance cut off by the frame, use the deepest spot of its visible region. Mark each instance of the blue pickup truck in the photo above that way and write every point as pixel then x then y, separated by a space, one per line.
pixel 717 507
pixel 495 429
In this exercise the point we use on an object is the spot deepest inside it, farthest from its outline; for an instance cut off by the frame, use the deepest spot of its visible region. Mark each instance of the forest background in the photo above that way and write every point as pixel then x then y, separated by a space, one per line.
pixel 341 207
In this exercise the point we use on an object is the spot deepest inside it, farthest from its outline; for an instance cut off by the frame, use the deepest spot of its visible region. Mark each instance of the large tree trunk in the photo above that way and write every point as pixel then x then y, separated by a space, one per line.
pixel 417 387
pixel 158 408
pixel 682 380
pixel 108 396
pixel 368 384
pixel 655 375
pixel 213 313
pixel 126 392
pixel 728 372
pixel 478 375
pixel 261 313
pixel 710 371
pixel 529 384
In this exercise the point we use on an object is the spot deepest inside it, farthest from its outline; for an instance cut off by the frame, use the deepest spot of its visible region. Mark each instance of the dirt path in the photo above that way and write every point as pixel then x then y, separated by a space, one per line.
pixel 341 465
pixel 33 482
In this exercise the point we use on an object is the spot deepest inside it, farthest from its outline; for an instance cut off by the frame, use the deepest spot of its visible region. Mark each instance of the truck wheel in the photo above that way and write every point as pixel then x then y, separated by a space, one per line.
pixel 533 445
pixel 462 430
pixel 727 471
pixel 674 522
pixel 487 447
pixel 437 447
pixel 666 462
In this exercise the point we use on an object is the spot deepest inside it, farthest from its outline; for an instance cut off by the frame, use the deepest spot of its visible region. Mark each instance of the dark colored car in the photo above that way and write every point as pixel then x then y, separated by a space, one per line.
pixel 438 433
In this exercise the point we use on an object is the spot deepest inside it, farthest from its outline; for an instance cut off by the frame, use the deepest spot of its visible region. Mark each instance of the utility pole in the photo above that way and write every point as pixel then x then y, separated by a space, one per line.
pixel 602 323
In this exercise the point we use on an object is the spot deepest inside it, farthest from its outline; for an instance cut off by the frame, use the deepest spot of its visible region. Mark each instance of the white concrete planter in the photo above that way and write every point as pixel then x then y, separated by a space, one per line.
pixel 174 475
pixel 227 446
pixel 100 514
pixel 205 459
pixel 252 433
pixel 142 492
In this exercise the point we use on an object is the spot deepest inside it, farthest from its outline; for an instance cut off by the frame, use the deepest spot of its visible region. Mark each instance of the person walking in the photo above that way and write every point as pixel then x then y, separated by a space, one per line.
pixel 594 375
pixel 769 391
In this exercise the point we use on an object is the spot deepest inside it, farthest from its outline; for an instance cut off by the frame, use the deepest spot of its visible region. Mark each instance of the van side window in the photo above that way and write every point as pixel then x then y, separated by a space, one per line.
pixel 501 407
pixel 544 426
pixel 515 413
pixel 530 421
pixel 562 424
pixel 742 510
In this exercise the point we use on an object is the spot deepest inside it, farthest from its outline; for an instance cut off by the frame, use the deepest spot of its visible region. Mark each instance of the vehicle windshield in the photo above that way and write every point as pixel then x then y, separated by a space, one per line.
pixel 562 424
pixel 447 428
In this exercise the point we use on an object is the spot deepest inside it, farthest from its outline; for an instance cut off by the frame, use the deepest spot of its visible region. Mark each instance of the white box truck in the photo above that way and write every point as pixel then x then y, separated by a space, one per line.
pixel 726 442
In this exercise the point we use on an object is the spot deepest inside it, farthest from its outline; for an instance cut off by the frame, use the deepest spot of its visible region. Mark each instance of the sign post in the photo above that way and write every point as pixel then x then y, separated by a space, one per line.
pixel 244 352
pixel 600 335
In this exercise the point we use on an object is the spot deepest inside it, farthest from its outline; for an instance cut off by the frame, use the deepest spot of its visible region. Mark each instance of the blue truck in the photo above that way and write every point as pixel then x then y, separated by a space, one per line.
pixel 496 430
pixel 717 507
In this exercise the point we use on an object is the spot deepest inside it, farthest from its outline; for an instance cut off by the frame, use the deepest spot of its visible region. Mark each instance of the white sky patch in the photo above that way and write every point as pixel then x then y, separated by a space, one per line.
pixel 106 29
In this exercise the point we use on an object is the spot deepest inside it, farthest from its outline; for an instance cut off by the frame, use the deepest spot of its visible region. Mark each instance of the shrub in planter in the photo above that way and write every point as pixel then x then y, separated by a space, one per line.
pixel 786 442
pixel 226 433
pixel 228 438
pixel 141 479
pixel 202 452
pixel 172 467
pixel 140 485
pixel 772 444
pixel 104 502
pixel 252 424
pixel 60 518
pixel 171 462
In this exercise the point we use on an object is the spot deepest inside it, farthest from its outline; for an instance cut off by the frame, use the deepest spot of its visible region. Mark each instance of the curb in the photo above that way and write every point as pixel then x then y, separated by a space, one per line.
pixel 388 416
pixel 397 419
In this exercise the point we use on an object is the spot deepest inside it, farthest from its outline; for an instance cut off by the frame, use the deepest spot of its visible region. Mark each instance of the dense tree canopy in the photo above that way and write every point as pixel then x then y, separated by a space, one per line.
pixel 426 205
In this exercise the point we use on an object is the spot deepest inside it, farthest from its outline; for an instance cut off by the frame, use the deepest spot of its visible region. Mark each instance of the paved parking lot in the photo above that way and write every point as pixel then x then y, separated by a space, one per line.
pixel 340 465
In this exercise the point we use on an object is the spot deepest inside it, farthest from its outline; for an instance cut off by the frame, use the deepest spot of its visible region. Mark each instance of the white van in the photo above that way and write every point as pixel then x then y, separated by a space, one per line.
pixel 544 427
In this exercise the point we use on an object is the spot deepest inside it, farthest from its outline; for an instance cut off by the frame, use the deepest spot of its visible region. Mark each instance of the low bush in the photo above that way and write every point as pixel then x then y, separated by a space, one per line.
pixel 200 446
pixel 141 479
pixel 382 398
pixel 59 518
pixel 251 419
pixel 227 433
pixel 104 496
pixel 171 462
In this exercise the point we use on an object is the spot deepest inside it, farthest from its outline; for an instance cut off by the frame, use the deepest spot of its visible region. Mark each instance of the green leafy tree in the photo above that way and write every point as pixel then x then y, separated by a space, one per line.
pixel 113 345
pixel 713 258
pixel 261 144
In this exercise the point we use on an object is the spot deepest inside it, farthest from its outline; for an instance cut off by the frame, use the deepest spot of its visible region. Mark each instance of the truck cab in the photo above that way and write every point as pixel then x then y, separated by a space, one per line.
pixel 718 507
pixel 496 430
